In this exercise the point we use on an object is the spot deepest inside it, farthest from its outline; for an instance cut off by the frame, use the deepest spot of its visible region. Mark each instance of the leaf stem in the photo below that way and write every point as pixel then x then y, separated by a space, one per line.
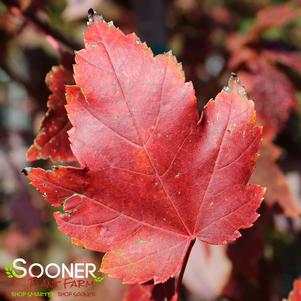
pixel 180 278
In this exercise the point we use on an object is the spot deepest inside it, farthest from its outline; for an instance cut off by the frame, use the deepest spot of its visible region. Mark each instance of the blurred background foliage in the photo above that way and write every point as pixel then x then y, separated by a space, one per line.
pixel 205 36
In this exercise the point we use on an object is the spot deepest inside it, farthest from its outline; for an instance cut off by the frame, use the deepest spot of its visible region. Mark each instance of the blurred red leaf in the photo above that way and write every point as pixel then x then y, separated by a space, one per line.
pixel 289 58
pixel 272 92
pixel 150 292
pixel 267 18
pixel 275 16
pixel 240 56
pixel 52 141
pixel 269 175
pixel 295 294
pixel 154 177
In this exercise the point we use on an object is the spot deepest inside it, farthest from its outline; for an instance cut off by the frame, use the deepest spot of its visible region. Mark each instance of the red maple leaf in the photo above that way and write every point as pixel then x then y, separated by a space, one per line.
pixel 52 141
pixel 154 176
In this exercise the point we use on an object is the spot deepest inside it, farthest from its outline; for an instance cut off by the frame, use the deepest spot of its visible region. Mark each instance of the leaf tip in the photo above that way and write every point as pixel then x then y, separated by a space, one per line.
pixel 91 12
pixel 92 17
pixel 234 85
pixel 26 170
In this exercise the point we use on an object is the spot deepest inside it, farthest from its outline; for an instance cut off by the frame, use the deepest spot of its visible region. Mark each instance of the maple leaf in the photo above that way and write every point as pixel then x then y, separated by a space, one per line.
pixel 154 176
pixel 268 174
pixel 52 140
pixel 295 294
pixel 273 104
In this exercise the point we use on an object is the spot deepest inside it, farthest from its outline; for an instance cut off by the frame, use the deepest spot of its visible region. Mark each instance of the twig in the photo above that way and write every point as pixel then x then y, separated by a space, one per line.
pixel 39 24
pixel 180 278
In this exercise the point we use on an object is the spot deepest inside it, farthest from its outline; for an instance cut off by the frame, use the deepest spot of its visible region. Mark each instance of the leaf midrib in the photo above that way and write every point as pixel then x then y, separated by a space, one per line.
pixel 138 132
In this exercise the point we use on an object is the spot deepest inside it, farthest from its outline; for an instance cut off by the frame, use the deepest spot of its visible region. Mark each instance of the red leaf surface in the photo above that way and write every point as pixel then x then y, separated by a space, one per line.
pixel 268 174
pixel 52 141
pixel 295 294
pixel 154 177
pixel 272 92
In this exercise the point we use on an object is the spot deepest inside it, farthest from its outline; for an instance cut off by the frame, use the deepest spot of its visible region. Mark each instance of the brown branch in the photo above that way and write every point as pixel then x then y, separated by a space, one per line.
pixel 180 278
